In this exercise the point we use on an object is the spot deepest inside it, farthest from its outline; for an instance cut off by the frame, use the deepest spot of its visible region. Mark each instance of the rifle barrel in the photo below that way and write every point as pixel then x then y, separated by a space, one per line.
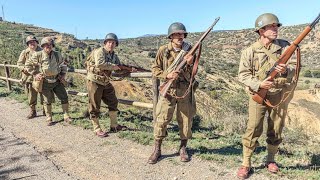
pixel 313 24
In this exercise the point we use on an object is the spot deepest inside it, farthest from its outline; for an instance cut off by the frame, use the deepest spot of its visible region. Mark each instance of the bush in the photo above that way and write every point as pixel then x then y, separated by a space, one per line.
pixel 152 54
pixel 307 73
pixel 307 81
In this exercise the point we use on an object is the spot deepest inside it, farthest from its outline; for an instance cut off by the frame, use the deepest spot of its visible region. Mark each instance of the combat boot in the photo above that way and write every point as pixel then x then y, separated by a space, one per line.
pixel 183 151
pixel 32 114
pixel 66 117
pixel 156 153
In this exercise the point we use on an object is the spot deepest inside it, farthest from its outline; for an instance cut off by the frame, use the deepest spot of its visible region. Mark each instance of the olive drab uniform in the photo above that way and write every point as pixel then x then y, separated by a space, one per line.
pixel 255 61
pixel 99 86
pixel 186 107
pixel 166 61
pixel 26 79
pixel 52 67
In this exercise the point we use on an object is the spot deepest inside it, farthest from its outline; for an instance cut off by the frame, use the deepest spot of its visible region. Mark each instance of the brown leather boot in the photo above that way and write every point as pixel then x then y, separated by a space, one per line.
pixel 272 167
pixel 33 114
pixel 118 128
pixel 101 134
pixel 156 153
pixel 244 172
pixel 183 151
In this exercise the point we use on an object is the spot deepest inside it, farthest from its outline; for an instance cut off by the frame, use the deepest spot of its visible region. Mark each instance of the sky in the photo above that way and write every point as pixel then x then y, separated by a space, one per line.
pixel 93 19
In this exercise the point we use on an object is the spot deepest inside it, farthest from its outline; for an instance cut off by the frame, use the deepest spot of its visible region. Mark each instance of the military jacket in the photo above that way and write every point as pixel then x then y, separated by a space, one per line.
pixel 164 58
pixel 26 54
pixel 49 64
pixel 101 65
pixel 253 58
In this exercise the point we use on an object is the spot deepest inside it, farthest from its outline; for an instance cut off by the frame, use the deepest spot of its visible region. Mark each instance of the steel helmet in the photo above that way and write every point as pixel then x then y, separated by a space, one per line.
pixel 47 40
pixel 111 36
pixel 266 19
pixel 31 38
pixel 177 27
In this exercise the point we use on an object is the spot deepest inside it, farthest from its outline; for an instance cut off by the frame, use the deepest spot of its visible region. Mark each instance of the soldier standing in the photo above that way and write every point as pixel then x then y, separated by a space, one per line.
pixel 51 70
pixel 27 78
pixel 100 64
pixel 186 107
pixel 255 61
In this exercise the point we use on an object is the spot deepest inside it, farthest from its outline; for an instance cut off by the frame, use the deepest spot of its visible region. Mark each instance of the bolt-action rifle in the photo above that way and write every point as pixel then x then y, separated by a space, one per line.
pixel 167 84
pixel 260 96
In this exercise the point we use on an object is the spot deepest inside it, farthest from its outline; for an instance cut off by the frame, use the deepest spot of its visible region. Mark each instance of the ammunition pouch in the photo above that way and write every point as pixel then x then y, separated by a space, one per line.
pixel 280 82
pixel 98 78
pixel 262 72
pixel 37 85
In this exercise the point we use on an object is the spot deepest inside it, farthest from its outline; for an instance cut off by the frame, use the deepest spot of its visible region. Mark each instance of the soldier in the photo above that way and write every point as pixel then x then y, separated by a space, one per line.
pixel 27 78
pixel 100 64
pixel 186 107
pixel 255 61
pixel 51 70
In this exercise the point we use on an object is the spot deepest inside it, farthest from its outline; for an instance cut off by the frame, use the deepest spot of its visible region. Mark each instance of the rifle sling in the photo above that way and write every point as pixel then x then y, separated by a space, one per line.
pixel 286 95
pixel 194 72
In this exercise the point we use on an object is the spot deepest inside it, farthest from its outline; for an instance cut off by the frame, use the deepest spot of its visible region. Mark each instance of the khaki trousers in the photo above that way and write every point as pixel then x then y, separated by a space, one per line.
pixel 185 109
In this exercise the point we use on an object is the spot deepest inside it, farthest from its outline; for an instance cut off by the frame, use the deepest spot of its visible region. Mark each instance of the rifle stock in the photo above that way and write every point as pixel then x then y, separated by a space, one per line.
pixel 260 96
pixel 167 84
pixel 129 68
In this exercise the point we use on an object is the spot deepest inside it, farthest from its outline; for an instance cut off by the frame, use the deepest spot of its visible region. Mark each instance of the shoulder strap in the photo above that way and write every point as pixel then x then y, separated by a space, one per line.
pixel 268 53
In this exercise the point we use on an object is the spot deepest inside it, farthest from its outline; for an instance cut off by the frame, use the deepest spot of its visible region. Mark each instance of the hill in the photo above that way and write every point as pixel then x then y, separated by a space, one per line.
pixel 218 65
pixel 221 101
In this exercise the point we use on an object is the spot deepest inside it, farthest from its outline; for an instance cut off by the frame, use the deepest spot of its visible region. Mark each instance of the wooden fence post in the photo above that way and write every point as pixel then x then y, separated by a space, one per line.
pixel 155 84
pixel 7 72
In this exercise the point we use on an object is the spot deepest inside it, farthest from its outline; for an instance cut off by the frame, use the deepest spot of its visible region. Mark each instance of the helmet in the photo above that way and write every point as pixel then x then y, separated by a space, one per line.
pixel 177 28
pixel 266 19
pixel 47 40
pixel 31 38
pixel 111 36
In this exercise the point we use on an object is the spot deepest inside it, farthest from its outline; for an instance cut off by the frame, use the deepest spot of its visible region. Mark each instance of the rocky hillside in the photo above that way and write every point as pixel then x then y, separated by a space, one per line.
pixel 218 66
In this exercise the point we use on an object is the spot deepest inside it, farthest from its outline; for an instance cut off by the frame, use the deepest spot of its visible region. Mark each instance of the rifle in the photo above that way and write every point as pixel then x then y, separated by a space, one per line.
pixel 167 84
pixel 129 68
pixel 260 96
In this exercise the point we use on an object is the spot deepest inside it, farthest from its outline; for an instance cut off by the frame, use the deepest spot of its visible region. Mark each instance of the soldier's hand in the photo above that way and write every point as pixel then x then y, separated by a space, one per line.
pixel 189 58
pixel 281 68
pixel 38 77
pixel 116 68
pixel 173 75
pixel 266 84
pixel 25 71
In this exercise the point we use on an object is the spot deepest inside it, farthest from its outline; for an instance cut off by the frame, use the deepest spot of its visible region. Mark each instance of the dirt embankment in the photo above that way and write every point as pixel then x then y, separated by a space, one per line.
pixel 304 112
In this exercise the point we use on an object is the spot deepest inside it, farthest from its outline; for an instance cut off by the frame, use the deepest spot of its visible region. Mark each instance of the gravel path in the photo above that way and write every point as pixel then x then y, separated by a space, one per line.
pixel 32 150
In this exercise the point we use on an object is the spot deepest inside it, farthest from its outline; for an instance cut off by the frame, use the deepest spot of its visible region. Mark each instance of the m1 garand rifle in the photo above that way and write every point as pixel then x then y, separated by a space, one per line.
pixel 260 96
pixel 125 71
pixel 167 84
pixel 132 68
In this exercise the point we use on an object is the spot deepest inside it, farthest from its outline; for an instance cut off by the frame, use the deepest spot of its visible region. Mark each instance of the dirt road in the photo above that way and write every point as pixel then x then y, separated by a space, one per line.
pixel 32 150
